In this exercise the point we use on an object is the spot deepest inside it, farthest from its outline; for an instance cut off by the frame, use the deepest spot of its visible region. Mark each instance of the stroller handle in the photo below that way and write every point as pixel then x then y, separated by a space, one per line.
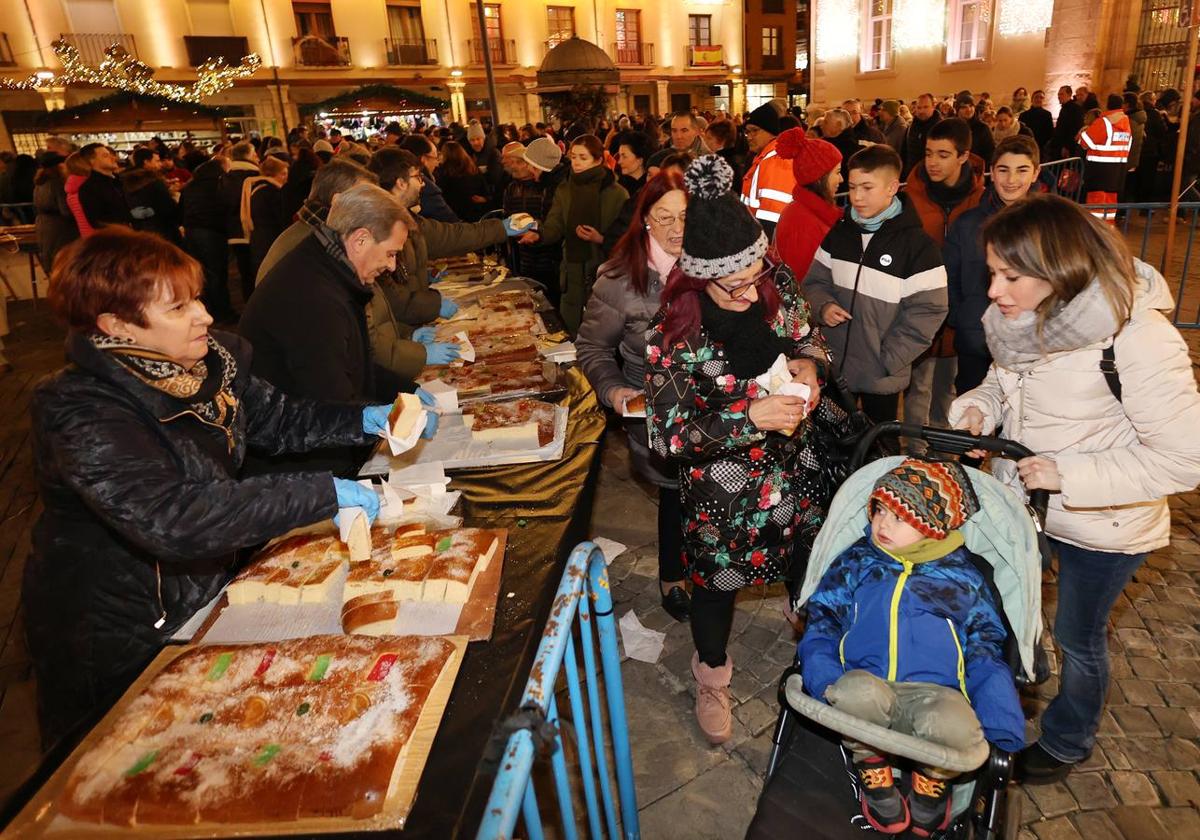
pixel 955 442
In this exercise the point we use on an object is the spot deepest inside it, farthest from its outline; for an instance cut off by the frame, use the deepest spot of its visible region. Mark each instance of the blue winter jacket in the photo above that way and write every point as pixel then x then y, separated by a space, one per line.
pixel 932 622
pixel 967 275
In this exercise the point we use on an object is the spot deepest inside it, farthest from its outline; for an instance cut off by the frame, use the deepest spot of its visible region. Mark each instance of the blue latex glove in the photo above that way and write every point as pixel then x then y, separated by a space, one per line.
pixel 441 353
pixel 431 425
pixel 439 277
pixel 424 335
pixel 353 494
pixel 375 419
pixel 516 231
pixel 426 398
pixel 448 308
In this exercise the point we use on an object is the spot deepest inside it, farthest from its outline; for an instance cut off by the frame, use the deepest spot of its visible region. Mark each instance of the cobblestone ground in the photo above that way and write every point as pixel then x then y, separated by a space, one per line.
pixel 1142 782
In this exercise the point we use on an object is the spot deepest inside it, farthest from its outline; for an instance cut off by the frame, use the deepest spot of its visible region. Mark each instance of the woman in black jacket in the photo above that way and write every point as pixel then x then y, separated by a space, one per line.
pixel 464 186
pixel 138 444
pixel 204 234
pixel 55 225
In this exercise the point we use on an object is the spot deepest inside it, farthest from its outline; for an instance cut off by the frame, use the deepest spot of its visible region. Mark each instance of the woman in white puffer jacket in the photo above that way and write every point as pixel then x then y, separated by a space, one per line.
pixel 1064 288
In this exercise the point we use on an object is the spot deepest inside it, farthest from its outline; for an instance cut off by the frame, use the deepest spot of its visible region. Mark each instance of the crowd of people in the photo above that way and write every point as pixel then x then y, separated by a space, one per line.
pixel 686 256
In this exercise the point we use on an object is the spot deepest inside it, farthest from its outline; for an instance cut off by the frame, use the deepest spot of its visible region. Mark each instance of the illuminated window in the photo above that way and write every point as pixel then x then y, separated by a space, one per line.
pixel 770 40
pixel 969 23
pixel 700 30
pixel 561 24
pixel 495 34
pixel 876 51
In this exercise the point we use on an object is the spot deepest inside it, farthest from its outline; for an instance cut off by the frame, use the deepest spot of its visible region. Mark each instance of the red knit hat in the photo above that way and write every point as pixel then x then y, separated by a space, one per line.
pixel 811 158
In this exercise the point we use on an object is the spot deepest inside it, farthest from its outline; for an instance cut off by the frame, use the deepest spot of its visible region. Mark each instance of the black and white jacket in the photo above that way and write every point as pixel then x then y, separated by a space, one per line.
pixel 894 285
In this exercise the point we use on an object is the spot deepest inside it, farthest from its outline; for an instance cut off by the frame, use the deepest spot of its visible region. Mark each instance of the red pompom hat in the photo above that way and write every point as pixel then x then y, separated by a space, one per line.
pixel 811 158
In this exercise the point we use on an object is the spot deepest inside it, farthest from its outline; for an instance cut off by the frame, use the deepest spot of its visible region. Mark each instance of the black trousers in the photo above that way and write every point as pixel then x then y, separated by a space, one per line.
pixel 670 534
pixel 972 369
pixel 712 621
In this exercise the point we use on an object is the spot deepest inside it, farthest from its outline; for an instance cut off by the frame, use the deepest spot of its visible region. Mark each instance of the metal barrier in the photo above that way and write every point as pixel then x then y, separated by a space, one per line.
pixel 1062 177
pixel 583 592
pixel 1130 217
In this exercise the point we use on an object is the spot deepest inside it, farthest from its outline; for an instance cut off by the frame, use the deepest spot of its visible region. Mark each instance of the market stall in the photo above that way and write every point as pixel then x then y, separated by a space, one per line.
pixel 528 515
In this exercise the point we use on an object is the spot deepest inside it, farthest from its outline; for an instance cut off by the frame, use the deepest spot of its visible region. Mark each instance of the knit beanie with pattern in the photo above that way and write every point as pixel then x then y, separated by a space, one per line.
pixel 935 497
pixel 721 237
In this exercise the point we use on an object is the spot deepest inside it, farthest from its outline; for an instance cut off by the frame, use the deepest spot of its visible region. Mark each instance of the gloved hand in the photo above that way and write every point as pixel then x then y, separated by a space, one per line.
pixel 424 335
pixel 431 425
pixel 448 308
pixel 441 353
pixel 427 399
pixel 375 419
pixel 353 494
pixel 511 230
pixel 439 277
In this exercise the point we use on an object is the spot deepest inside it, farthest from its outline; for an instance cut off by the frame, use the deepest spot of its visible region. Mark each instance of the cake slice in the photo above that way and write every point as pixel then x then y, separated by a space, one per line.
pixel 371 615
pixel 403 417
pixel 459 558
pixel 525 421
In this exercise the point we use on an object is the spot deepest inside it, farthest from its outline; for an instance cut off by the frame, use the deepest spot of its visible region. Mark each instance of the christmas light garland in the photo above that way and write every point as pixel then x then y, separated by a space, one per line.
pixel 122 71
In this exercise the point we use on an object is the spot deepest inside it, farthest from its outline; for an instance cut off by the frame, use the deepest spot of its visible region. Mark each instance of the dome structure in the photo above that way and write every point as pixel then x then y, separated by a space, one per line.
pixel 576 62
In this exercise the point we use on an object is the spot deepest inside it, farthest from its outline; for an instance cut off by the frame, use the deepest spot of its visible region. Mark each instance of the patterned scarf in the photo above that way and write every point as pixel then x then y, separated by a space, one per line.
pixel 333 245
pixel 204 389
pixel 1084 320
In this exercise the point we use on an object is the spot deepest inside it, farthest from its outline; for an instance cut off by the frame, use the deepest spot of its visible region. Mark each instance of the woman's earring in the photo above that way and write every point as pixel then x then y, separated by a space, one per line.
pixel 647 227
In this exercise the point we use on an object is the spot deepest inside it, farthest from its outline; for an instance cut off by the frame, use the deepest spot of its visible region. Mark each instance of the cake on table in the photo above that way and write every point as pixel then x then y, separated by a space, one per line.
pixel 520 419
pixel 301 569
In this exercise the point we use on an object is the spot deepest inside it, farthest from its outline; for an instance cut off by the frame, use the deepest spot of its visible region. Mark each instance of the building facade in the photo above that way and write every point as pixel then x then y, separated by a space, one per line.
pixel 671 54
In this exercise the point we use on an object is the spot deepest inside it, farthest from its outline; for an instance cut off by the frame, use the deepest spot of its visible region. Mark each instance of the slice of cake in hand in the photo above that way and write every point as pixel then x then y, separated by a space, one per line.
pixel 524 421
pixel 405 413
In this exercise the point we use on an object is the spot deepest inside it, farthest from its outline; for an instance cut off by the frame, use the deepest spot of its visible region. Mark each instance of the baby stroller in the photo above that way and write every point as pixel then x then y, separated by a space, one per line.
pixel 811 789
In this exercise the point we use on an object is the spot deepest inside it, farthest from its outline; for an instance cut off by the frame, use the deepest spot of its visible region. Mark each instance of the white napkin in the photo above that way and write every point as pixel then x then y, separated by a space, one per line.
pixel 611 549
pixel 346 517
pixel 422 480
pixel 466 350
pixel 641 643
pixel 445 395
pixel 398 445
pixel 778 381
pixel 561 353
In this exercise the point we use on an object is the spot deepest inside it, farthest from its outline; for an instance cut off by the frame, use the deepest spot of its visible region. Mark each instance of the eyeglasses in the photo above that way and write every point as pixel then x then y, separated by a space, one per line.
pixel 668 220
pixel 738 292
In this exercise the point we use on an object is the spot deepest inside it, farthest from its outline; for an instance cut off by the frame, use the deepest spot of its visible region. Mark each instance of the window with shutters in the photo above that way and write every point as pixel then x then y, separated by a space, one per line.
pixel 405 25
pixel 700 30
pixel 876 49
pixel 970 21
pixel 560 22
pixel 314 19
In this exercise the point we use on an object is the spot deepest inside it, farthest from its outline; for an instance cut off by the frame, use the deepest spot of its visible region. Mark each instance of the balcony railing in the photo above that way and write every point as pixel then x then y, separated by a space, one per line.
pixel 772 62
pixel 708 55
pixel 200 48
pixel 6 56
pixel 91 45
pixel 503 50
pixel 637 55
pixel 404 51
pixel 315 51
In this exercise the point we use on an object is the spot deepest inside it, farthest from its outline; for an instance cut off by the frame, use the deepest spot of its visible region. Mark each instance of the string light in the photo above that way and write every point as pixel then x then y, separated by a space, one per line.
pixel 1018 17
pixel 917 24
pixel 122 71
pixel 837 29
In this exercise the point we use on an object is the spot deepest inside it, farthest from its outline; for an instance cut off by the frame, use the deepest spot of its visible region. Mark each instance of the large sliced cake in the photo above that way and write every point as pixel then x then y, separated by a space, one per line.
pixel 520 420
pixel 294 570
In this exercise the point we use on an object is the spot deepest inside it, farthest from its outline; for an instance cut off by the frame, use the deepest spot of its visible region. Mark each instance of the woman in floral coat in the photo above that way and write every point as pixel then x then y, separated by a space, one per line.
pixel 747 478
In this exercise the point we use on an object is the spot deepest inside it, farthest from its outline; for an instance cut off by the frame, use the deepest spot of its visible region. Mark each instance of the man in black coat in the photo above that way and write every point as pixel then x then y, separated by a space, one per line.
pixel 982 142
pixel 307 320
pixel 862 129
pixel 243 164
pixel 149 198
pixel 101 196
pixel 204 234
pixel 1063 143
pixel 925 117
pixel 1038 119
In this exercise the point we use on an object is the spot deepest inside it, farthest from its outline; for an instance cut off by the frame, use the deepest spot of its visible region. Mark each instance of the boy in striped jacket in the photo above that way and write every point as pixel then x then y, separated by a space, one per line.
pixel 877 285
pixel 903 632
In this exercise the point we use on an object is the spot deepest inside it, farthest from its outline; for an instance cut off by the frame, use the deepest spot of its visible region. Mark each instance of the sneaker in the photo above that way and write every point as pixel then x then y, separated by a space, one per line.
pixel 882 804
pixel 1035 766
pixel 929 804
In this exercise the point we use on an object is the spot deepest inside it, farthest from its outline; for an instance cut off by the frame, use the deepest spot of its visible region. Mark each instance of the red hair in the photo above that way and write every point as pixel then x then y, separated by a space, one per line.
pixel 681 299
pixel 119 271
pixel 632 251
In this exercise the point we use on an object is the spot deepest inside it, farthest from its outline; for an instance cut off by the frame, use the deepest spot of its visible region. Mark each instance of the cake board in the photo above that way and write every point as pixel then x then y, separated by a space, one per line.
pixel 40 817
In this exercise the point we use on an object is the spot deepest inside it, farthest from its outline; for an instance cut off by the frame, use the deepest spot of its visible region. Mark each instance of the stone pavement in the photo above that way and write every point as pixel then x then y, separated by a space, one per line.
pixel 1142 782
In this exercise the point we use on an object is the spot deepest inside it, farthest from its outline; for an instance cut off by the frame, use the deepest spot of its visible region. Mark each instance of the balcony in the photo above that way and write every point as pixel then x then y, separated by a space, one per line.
pixel 772 62
pixel 503 50
pixel 402 52
pixel 6 56
pixel 315 51
pixel 91 45
pixel 633 55
pixel 705 56
pixel 200 48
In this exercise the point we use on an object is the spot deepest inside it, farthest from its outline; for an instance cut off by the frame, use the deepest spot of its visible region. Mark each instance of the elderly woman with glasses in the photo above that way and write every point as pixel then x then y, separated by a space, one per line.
pixel 747 494
pixel 624 299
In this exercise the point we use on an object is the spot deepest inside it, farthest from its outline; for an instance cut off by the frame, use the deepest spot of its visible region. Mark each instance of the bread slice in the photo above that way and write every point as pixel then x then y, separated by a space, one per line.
pixel 405 413
pixel 371 615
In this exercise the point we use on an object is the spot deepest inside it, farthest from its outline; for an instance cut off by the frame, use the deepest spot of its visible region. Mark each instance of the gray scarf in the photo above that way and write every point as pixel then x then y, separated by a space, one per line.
pixel 1084 320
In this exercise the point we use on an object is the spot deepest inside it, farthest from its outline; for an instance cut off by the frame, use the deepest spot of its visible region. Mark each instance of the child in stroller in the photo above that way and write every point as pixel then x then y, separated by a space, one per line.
pixel 903 633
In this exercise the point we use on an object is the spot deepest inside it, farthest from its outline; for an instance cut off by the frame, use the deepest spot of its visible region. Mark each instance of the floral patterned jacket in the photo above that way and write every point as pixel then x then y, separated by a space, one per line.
pixel 746 493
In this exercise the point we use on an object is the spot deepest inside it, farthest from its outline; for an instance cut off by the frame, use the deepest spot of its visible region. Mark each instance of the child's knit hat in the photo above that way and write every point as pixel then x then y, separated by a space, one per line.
pixel 935 497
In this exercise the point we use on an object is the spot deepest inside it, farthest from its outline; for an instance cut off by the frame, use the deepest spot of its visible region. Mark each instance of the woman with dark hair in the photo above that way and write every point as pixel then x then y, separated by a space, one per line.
pixel 624 299
pixel 138 445
pixel 746 493
pixel 817 167
pixel 463 185
pixel 585 204
pixel 632 150
pixel 300 177
pixel 721 137
pixel 432 203
pixel 1090 374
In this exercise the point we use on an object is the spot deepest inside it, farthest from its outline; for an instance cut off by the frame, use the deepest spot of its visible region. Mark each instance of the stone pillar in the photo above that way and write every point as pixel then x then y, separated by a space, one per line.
pixel 533 105
pixel 737 97
pixel 458 101
pixel 662 99
pixel 1072 51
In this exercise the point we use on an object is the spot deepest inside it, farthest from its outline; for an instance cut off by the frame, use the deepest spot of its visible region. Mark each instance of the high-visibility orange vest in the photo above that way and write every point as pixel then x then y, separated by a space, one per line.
pixel 1107 139
pixel 768 184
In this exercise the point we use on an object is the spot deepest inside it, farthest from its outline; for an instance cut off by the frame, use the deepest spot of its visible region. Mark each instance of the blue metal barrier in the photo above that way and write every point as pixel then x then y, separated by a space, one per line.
pixel 1062 177
pixel 1127 217
pixel 513 791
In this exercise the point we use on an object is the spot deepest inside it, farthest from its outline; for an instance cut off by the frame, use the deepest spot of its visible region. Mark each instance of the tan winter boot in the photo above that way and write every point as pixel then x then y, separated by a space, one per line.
pixel 712 699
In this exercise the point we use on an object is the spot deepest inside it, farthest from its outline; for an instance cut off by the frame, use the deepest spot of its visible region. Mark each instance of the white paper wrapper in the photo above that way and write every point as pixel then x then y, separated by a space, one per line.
pixel 640 643
pixel 466 350
pixel 425 480
pixel 560 353
pixel 777 381
pixel 399 445
pixel 446 396
pixel 346 517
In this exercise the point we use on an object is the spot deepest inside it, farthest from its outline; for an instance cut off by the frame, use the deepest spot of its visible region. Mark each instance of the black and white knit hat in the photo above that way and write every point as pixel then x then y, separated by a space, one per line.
pixel 721 237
